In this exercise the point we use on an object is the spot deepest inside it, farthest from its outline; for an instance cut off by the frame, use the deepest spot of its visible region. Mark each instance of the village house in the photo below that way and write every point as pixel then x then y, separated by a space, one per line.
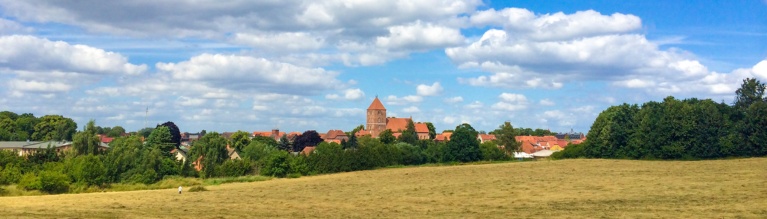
pixel 335 136
pixel 26 148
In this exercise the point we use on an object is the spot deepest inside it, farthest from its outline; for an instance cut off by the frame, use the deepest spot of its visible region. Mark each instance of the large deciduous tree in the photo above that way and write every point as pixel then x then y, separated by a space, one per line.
pixel 54 127
pixel 505 136
pixel 87 141
pixel 240 139
pixel 308 138
pixel 174 132
pixel 409 135
pixel 386 137
pixel 463 145
pixel 750 91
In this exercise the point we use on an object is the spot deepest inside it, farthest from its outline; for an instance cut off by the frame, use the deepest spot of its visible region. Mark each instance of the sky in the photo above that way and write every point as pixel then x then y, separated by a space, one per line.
pixel 317 65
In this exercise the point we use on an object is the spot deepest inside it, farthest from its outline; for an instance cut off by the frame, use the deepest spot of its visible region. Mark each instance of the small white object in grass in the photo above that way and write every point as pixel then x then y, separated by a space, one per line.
pixel 179 190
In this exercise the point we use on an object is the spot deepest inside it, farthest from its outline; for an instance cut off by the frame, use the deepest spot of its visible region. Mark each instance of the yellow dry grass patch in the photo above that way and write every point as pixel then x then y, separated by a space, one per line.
pixel 562 189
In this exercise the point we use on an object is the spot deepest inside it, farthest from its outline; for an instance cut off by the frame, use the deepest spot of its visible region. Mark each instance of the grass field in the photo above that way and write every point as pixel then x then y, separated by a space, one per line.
pixel 562 189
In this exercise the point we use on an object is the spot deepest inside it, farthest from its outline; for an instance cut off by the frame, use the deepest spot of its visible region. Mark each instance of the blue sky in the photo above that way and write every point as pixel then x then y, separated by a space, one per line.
pixel 317 65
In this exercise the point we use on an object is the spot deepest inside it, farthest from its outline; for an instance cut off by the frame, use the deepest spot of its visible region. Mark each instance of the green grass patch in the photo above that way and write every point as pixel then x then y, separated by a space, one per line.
pixel 198 189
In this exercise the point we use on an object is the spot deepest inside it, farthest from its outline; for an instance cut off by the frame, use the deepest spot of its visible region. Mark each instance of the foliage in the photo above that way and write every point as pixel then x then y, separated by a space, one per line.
pixel 308 138
pixel 284 143
pixel 432 130
pixel 276 165
pixel 116 131
pixel 88 169
pixel 463 145
pixel 54 127
pixel 386 136
pixel 212 149
pixel 231 168
pixel 505 135
pixel 9 175
pixel 162 139
pixel 51 182
pixel 491 152
pixel 409 135
pixel 87 141
pixel 174 133
pixel 240 139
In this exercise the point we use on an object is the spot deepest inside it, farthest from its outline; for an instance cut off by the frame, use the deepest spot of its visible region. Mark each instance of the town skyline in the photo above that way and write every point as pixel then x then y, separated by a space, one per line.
pixel 317 65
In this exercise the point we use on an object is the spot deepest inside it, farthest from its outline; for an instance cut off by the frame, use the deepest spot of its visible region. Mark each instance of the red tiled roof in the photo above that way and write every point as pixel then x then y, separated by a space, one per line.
pixel 486 137
pixel 308 150
pixel 333 134
pixel 562 143
pixel 421 128
pixel 397 124
pixel 396 134
pixel 376 105
pixel 361 133
pixel 106 139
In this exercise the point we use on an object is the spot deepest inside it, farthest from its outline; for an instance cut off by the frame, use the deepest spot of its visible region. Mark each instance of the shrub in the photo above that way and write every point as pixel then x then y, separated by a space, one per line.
pixel 233 168
pixel 29 182
pixel 276 165
pixel 198 189
pixel 490 151
pixel 10 175
pixel 53 182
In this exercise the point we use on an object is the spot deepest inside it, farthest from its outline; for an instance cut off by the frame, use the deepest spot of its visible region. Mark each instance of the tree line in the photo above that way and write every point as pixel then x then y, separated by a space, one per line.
pixel 680 129
pixel 135 159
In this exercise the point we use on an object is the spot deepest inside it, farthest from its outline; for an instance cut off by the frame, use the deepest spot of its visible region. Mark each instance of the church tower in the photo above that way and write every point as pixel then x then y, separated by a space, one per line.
pixel 376 118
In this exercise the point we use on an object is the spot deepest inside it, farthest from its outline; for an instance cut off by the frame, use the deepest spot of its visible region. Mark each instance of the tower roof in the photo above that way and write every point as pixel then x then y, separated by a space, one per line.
pixel 376 105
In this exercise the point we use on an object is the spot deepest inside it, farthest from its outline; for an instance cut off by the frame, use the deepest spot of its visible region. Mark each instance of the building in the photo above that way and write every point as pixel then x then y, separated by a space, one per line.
pixel 26 148
pixel 377 122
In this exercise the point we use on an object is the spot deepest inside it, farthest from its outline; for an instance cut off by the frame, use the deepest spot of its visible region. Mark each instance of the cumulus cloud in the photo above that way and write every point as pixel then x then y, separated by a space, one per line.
pixel 426 90
pixel 412 109
pixel 349 94
pixel 511 102
pixel 456 99
pixel 546 102
pixel 394 100
pixel 246 73
pixel 12 27
pixel 419 36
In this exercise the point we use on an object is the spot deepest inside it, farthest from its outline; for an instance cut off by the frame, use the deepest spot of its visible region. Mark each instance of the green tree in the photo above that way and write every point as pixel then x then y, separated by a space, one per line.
pixel 161 139
pixel 54 127
pixel 86 141
pixel 409 135
pixel 463 145
pixel 212 149
pixel 240 139
pixel 116 131
pixel 491 152
pixel 751 91
pixel 284 143
pixel 506 137
pixel 175 133
pixel 432 130
pixel 386 137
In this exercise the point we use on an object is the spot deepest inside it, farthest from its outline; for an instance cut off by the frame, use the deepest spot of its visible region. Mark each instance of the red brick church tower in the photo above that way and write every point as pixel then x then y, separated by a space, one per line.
pixel 376 119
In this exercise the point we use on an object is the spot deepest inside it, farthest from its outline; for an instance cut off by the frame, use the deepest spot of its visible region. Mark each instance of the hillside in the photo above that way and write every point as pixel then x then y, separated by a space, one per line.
pixel 567 188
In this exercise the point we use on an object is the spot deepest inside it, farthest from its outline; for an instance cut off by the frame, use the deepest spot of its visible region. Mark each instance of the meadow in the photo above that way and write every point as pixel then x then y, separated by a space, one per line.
pixel 578 188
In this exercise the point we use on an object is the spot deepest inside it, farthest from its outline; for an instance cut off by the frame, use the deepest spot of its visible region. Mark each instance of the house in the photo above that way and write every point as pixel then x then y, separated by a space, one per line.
pixel 572 135
pixel 275 134
pixel 180 153
pixel 422 130
pixel 542 154
pixel 106 140
pixel 445 136
pixel 233 153
pixel 26 148
pixel 485 138
pixel 308 150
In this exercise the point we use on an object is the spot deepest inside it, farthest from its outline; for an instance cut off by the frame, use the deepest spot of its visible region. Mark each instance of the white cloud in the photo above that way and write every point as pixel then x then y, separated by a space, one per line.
pixel 418 36
pixel 349 94
pixel 456 99
pixel 546 102
pixel 411 109
pixel 38 86
pixel 511 102
pixel 281 42
pixel 394 100
pixel 475 105
pixel 12 27
pixel 426 90
pixel 30 53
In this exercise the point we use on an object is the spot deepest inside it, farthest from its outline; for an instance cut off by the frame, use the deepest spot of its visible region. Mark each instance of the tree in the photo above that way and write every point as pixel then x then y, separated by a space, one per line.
pixel 506 137
pixel 356 129
pixel 284 143
pixel 386 136
pixel 352 143
pixel 54 127
pixel 116 131
pixel 212 149
pixel 174 133
pixel 432 131
pixel 409 135
pixel 463 145
pixel 308 138
pixel 750 91
pixel 87 141
pixel 161 139
pixel 240 139
pixel 145 132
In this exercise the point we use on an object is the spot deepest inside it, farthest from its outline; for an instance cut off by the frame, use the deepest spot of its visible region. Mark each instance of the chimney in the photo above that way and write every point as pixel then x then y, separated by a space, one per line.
pixel 275 133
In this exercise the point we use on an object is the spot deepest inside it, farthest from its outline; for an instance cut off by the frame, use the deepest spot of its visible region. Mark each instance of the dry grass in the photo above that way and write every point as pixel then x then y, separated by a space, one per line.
pixel 562 189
